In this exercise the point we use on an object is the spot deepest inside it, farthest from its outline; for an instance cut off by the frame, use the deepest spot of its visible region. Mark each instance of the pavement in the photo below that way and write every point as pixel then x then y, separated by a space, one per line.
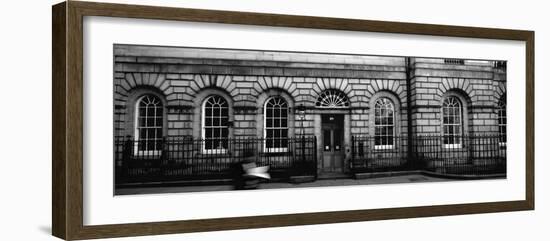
pixel 410 178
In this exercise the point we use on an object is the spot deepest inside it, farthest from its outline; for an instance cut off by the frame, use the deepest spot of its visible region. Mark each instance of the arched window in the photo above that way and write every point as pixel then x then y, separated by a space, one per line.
pixel 276 124
pixel 384 121
pixel 148 125
pixel 501 113
pixel 215 131
pixel 332 99
pixel 452 122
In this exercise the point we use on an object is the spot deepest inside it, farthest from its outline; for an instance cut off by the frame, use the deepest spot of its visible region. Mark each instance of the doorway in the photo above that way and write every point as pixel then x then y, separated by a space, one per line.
pixel 332 131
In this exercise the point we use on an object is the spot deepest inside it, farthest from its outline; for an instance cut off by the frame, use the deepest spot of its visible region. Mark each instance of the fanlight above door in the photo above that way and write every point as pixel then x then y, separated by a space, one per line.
pixel 332 99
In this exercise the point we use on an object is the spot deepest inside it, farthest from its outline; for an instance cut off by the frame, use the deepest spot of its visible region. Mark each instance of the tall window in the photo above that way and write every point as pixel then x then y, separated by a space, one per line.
pixel 452 122
pixel 383 124
pixel 276 124
pixel 149 119
pixel 215 124
pixel 501 112
pixel 332 99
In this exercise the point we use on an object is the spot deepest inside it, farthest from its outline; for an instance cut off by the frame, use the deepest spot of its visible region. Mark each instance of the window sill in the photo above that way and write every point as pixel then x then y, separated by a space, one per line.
pixel 383 147
pixel 275 150
pixel 452 146
pixel 215 152
pixel 149 154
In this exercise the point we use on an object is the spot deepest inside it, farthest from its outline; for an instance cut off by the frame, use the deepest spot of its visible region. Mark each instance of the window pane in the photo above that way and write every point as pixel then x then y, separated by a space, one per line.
pixel 384 122
pixel 377 140
pixel 150 111
pixel 225 133
pixel 158 133
pixel 216 123
pixel 225 121
pixel 452 120
pixel 337 140
pixel 276 122
pixel 326 141
pixel 149 123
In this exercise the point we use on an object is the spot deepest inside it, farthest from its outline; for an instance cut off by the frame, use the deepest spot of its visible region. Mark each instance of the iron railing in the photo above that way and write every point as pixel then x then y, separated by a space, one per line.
pixel 472 155
pixel 370 155
pixel 180 159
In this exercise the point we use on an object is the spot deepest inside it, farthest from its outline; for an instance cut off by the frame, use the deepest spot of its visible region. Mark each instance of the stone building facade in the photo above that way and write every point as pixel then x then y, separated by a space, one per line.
pixel 197 93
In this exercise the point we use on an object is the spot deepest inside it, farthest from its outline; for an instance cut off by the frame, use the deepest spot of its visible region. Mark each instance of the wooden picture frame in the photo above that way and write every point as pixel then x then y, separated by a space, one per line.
pixel 67 123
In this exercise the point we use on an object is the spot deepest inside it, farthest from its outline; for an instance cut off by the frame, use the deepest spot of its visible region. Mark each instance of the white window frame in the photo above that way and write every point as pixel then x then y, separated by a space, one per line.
pixel 275 149
pixel 385 147
pixel 217 151
pixel 137 152
pixel 460 124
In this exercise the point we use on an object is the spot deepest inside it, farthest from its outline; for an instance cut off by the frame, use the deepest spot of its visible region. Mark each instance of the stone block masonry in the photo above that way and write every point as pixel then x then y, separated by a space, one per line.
pixel 184 77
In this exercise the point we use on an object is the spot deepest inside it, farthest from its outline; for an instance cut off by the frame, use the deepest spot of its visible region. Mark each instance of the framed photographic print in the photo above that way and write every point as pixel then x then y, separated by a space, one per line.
pixel 217 120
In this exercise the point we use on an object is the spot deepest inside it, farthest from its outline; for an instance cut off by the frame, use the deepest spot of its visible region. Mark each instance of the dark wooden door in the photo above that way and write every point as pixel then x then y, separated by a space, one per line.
pixel 332 132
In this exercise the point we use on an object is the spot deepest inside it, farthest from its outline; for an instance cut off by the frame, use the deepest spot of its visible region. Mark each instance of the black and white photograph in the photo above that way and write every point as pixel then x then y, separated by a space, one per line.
pixel 204 119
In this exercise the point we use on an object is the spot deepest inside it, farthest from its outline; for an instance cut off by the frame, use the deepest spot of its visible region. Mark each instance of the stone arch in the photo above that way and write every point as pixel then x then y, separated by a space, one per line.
pixel 132 81
pixel 263 96
pixel 205 81
pixel 341 84
pixel 267 83
pixel 460 94
pixel 461 84
pixel 392 86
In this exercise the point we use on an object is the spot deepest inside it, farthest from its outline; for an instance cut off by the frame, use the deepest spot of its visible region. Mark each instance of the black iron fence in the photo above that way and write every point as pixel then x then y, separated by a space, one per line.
pixel 180 159
pixel 472 155
pixel 369 154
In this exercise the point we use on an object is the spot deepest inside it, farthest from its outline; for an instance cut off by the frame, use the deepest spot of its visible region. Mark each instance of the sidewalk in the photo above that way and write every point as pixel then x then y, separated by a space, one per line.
pixel 412 178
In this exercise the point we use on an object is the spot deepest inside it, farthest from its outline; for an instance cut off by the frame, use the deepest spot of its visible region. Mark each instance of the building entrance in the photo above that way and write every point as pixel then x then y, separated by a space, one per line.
pixel 332 131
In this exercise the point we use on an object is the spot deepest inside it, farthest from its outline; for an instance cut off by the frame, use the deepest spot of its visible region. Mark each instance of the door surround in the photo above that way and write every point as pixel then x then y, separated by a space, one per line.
pixel 317 121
